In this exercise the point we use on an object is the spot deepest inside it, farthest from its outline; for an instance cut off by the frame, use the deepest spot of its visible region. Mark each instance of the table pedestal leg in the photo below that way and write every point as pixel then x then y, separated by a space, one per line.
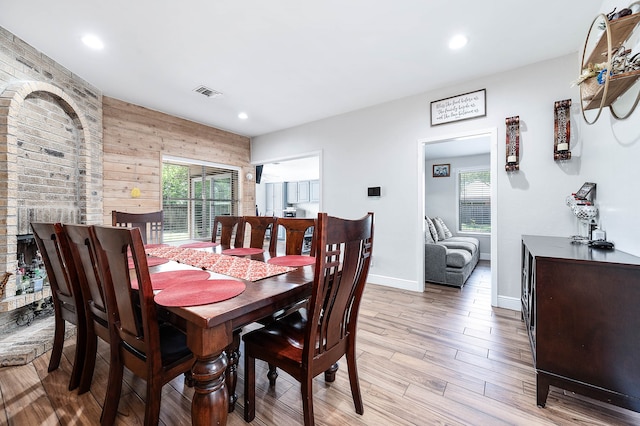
pixel 233 356
pixel 210 400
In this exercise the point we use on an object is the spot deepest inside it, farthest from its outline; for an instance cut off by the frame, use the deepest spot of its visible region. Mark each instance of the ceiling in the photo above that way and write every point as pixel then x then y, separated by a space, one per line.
pixel 288 62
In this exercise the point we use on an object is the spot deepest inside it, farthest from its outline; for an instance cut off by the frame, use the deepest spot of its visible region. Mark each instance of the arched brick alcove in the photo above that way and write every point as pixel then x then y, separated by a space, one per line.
pixel 45 162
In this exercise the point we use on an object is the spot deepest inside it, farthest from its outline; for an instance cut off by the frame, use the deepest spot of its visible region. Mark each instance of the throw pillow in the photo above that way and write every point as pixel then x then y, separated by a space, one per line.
pixel 432 229
pixel 439 229
pixel 447 232
pixel 428 238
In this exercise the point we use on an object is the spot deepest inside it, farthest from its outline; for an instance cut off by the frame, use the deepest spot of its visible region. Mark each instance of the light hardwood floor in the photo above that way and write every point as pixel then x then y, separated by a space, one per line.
pixel 444 356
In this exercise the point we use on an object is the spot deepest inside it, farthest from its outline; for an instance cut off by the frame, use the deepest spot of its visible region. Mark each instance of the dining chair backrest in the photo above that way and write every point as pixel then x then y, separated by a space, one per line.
pixel 258 227
pixel 230 226
pixel 295 230
pixel 132 311
pixel 151 224
pixel 66 294
pixel 343 256
pixel 84 260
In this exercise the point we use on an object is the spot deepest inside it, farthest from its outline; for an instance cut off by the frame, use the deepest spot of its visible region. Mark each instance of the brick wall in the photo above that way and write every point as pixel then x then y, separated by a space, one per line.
pixel 50 145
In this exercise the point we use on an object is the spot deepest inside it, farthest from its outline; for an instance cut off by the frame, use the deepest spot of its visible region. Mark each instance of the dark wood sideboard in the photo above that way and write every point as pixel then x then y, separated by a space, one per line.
pixel 581 306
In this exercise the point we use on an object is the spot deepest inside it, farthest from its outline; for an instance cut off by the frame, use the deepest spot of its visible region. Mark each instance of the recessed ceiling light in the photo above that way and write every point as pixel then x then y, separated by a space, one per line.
pixel 243 116
pixel 93 42
pixel 458 41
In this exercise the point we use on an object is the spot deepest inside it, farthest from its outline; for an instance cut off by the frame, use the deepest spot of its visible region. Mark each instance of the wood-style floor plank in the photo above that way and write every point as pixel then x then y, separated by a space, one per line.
pixel 441 357
pixel 24 397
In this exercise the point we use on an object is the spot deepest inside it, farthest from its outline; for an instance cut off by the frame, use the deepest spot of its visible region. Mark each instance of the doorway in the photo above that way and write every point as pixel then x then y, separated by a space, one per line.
pixel 290 187
pixel 459 154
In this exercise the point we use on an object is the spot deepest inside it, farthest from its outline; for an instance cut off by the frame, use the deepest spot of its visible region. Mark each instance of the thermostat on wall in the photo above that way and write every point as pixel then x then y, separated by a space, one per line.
pixel 373 191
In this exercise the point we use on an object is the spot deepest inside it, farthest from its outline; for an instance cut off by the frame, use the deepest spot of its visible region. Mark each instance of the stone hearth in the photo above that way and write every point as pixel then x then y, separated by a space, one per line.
pixel 26 343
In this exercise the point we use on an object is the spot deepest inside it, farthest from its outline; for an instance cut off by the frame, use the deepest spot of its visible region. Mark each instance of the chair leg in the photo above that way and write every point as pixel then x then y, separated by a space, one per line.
pixel 353 379
pixel 249 387
pixel 231 374
pixel 307 400
pixel 112 397
pixel 152 403
pixel 272 375
pixel 80 355
pixel 58 341
pixel 89 365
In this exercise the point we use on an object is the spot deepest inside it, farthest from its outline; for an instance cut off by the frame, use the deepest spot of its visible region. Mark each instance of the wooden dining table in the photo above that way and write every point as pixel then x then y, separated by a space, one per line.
pixel 214 328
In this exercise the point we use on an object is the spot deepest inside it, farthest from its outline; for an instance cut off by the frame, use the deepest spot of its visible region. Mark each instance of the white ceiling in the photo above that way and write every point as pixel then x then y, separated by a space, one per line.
pixel 288 62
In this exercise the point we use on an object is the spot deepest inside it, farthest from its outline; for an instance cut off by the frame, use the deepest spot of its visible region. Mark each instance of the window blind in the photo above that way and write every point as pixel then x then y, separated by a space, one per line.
pixel 474 189
pixel 192 195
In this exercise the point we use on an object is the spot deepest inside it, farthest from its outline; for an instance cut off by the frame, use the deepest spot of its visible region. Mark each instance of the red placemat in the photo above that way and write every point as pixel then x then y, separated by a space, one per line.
pixel 242 251
pixel 292 260
pixel 201 292
pixel 151 261
pixel 161 280
pixel 201 244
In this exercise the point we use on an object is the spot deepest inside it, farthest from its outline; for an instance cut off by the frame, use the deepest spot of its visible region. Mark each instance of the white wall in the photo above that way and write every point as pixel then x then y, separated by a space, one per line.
pixel 441 196
pixel 378 146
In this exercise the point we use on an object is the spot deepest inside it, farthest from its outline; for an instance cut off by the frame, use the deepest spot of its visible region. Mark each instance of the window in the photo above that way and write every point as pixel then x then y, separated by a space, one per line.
pixel 193 194
pixel 474 201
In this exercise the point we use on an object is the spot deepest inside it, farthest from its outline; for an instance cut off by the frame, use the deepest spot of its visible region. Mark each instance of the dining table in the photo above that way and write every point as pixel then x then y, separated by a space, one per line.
pixel 213 329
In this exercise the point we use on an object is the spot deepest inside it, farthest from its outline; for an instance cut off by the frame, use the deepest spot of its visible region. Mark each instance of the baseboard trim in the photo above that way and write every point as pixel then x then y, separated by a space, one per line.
pixel 393 282
pixel 505 302
pixel 512 303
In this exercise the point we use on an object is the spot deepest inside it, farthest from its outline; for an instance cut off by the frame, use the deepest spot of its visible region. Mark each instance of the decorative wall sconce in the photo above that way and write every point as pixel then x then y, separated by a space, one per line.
pixel 562 130
pixel 513 144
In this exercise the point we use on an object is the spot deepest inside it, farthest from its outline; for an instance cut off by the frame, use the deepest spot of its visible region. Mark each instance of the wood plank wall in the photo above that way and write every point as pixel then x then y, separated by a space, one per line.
pixel 136 138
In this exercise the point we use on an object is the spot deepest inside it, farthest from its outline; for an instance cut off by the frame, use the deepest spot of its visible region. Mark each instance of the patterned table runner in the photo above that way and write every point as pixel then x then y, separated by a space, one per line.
pixel 233 266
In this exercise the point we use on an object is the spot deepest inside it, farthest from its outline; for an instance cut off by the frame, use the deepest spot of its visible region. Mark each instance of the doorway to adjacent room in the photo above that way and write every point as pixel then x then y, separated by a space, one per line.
pixel 463 156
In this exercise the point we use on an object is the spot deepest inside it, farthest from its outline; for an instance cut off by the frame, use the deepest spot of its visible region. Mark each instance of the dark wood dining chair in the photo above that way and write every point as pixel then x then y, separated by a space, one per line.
pixel 230 226
pixel 84 260
pixel 67 297
pixel 155 351
pixel 151 224
pixel 258 227
pixel 295 231
pixel 307 347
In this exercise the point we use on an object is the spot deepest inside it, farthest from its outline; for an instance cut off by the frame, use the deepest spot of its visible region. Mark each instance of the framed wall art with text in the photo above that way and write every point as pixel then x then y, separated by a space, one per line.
pixel 460 107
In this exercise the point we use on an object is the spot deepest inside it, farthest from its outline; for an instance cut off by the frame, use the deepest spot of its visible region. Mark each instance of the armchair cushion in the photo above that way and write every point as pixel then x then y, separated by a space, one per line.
pixel 458 258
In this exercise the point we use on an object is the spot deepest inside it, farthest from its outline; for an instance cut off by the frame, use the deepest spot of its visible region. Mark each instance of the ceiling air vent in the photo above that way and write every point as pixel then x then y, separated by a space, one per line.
pixel 209 93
